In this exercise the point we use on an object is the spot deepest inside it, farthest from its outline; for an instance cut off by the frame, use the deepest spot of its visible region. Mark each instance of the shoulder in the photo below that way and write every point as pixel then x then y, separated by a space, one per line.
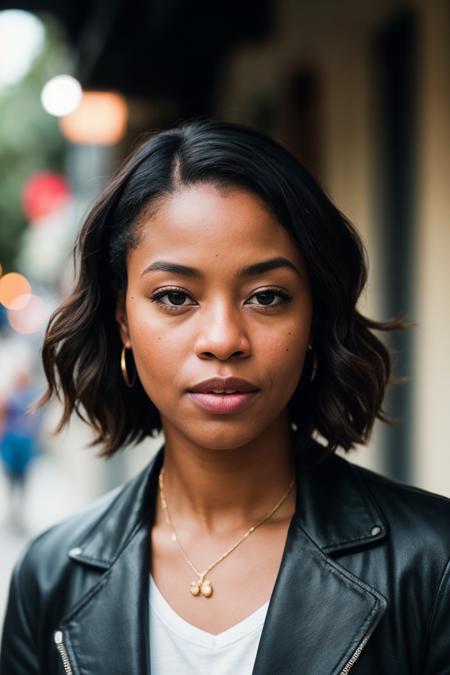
pixel 44 581
pixel 99 529
pixel 393 493
pixel 66 561
pixel 344 506
pixel 409 510
pixel 47 554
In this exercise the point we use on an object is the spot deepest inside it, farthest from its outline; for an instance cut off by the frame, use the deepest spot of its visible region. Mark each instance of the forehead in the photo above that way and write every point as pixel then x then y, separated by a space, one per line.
pixel 204 224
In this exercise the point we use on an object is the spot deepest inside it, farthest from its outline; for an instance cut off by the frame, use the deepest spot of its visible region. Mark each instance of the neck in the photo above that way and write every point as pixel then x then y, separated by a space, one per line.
pixel 225 490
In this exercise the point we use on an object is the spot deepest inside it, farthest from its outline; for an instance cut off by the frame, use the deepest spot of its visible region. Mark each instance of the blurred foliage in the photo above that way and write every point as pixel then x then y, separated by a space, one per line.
pixel 30 139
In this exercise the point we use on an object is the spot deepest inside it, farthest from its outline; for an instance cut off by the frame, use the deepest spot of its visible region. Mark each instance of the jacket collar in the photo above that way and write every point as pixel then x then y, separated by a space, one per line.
pixel 319 614
pixel 132 509
pixel 333 507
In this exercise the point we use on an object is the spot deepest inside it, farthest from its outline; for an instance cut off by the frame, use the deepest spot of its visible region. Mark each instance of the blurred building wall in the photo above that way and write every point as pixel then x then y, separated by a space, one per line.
pixel 432 394
pixel 334 45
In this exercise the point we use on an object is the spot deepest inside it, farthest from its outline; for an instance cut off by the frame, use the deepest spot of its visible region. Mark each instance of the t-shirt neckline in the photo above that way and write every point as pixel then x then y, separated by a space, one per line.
pixel 191 633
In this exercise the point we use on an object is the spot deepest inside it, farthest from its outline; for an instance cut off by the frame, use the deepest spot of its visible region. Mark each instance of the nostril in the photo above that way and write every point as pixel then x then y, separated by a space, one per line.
pixel 225 357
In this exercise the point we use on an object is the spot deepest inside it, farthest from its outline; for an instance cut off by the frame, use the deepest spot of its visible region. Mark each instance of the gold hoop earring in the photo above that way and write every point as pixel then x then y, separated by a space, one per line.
pixel 123 368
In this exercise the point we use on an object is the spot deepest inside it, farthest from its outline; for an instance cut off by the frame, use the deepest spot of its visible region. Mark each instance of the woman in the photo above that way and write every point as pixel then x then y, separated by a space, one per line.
pixel 216 300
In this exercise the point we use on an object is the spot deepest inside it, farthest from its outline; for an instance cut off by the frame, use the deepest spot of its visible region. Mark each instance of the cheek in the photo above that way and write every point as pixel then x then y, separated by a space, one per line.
pixel 286 355
pixel 156 356
pixel 152 346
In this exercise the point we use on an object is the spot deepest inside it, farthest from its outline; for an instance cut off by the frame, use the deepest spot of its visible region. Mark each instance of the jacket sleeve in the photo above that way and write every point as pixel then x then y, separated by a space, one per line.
pixel 18 655
pixel 437 658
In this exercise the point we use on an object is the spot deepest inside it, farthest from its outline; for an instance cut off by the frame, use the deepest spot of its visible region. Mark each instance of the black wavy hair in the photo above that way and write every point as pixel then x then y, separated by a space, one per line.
pixel 82 346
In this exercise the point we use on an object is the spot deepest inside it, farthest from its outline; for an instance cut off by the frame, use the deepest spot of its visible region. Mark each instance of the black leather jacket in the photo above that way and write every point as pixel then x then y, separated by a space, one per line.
pixel 363 584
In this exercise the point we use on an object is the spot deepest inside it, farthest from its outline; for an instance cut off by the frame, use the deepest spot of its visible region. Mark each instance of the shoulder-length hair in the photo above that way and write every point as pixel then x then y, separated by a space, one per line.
pixel 82 347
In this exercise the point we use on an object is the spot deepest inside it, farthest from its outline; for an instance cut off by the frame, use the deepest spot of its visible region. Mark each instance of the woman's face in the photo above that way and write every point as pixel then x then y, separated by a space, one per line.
pixel 216 319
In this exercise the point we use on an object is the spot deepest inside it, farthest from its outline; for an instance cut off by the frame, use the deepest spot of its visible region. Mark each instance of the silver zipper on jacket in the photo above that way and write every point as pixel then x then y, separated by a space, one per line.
pixel 59 642
pixel 355 656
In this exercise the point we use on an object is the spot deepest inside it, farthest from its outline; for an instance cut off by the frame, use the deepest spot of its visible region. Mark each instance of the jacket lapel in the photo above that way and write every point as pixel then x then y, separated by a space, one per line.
pixel 107 632
pixel 320 615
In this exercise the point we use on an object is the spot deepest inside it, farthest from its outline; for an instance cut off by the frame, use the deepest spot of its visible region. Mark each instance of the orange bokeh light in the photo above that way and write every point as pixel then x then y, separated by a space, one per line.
pixel 100 119
pixel 15 290
pixel 29 319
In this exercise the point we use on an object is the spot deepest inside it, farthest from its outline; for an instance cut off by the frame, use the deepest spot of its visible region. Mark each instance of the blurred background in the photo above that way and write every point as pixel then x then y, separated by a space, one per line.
pixel 360 92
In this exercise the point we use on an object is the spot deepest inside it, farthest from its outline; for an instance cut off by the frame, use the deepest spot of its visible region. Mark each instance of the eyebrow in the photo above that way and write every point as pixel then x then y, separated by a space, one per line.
pixel 249 271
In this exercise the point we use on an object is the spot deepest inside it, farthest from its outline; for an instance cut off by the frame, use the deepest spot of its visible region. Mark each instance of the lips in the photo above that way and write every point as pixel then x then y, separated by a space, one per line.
pixel 223 396
pixel 224 386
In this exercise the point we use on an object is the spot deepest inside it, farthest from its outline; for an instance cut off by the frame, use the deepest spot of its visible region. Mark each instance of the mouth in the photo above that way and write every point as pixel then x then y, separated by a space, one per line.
pixel 223 395
pixel 224 386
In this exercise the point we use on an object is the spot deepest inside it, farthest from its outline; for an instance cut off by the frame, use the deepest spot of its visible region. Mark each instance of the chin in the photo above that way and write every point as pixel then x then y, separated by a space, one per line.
pixel 220 436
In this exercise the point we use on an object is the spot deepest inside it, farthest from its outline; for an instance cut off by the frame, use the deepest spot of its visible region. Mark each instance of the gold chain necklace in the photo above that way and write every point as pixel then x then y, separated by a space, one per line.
pixel 203 586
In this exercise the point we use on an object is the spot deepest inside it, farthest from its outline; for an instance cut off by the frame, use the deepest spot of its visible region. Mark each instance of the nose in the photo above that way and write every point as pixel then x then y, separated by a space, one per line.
pixel 222 333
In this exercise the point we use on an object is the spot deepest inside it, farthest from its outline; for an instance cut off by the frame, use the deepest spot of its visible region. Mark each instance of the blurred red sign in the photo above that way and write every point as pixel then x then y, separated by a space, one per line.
pixel 43 193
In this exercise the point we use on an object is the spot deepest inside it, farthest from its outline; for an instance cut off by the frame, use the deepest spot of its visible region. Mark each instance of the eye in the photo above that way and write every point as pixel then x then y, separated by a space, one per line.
pixel 267 295
pixel 175 296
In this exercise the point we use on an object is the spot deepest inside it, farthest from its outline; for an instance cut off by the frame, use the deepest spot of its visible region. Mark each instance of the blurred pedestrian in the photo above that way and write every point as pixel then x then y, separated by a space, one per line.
pixel 19 442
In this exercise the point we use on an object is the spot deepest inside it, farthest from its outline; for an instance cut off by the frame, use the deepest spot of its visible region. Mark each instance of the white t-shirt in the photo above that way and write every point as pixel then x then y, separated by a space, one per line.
pixel 177 646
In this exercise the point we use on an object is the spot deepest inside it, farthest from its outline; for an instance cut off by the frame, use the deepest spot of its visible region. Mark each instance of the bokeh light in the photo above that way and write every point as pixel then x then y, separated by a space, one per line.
pixel 15 291
pixel 29 319
pixel 44 192
pixel 61 95
pixel 100 119
pixel 21 40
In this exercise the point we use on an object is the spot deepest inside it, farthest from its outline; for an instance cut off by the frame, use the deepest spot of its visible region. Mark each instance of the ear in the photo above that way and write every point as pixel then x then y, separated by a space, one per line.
pixel 122 321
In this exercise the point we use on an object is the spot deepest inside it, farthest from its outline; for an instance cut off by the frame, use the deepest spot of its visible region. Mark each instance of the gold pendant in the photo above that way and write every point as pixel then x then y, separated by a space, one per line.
pixel 202 588
pixel 195 588
pixel 206 589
